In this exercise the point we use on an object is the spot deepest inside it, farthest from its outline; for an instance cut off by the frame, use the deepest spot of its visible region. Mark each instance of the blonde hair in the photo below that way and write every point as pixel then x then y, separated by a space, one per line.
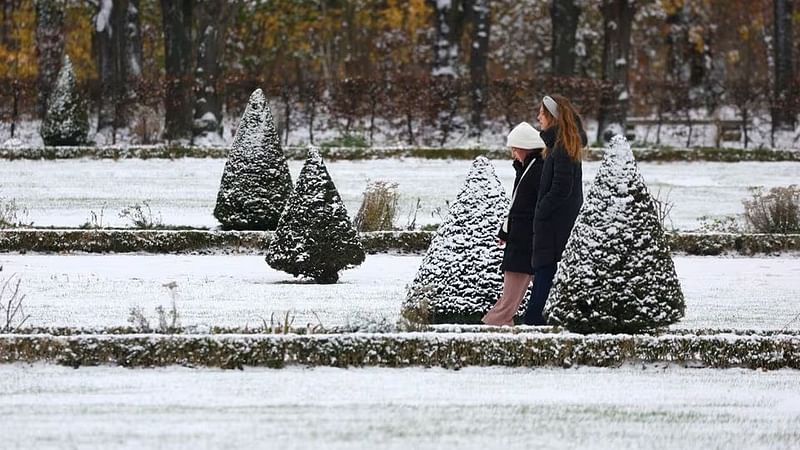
pixel 569 136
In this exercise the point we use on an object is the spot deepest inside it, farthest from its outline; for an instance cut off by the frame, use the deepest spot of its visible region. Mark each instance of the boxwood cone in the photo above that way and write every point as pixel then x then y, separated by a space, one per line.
pixel 315 236
pixel 617 274
pixel 66 120
pixel 256 182
pixel 459 278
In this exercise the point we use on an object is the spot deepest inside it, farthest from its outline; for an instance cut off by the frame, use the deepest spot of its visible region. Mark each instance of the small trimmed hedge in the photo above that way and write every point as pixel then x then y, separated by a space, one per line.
pixel 256 242
pixel 181 241
pixel 661 154
pixel 388 329
pixel 711 244
pixel 451 350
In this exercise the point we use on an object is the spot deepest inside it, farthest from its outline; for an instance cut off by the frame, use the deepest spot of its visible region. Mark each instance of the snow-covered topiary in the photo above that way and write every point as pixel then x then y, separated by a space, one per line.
pixel 256 182
pixel 66 121
pixel 616 274
pixel 460 278
pixel 315 236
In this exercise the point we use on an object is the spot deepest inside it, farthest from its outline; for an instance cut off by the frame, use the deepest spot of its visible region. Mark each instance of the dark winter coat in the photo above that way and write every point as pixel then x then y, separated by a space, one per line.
pixel 560 199
pixel 519 238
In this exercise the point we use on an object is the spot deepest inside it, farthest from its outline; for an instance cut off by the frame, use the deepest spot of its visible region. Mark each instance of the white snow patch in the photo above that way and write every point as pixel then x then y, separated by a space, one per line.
pixel 101 20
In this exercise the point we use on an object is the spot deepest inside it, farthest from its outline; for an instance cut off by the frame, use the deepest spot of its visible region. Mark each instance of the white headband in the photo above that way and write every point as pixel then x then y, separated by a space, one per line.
pixel 551 105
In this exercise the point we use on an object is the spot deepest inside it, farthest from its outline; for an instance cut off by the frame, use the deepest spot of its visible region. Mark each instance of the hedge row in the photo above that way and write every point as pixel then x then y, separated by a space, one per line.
pixel 180 241
pixel 254 242
pixel 366 153
pixel 385 328
pixel 452 350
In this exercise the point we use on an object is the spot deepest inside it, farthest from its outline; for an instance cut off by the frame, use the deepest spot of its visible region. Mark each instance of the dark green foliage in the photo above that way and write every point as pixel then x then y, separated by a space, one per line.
pixel 256 182
pixel 459 278
pixel 617 274
pixel 66 121
pixel 315 237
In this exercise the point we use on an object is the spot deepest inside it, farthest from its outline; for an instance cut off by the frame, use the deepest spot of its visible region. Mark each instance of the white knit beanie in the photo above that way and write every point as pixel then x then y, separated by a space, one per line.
pixel 525 136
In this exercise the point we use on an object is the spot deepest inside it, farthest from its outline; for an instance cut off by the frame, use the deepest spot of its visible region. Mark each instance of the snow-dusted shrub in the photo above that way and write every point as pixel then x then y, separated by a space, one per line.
pixel 459 278
pixel 256 182
pixel 777 211
pixel 12 313
pixel 141 216
pixel 13 215
pixel 66 121
pixel 425 349
pixel 315 236
pixel 378 208
pixel 617 274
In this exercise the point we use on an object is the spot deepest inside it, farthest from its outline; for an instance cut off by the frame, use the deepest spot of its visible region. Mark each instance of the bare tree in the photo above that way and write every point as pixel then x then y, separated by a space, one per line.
pixel 565 15
pixel 177 26
pixel 480 18
pixel 118 50
pixel 49 48
pixel 449 25
pixel 617 22
pixel 213 19
pixel 783 113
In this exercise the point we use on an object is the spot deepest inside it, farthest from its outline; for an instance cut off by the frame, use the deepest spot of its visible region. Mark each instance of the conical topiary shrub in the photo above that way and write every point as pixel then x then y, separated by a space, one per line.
pixel 66 121
pixel 459 279
pixel 315 237
pixel 617 273
pixel 256 182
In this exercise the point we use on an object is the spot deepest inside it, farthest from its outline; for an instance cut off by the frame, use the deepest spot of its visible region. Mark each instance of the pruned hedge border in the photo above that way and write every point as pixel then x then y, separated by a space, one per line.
pixel 451 350
pixel 429 329
pixel 255 242
pixel 368 153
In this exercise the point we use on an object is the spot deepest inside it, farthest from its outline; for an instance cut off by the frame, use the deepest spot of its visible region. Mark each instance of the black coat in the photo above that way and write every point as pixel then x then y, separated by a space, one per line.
pixel 560 199
pixel 519 238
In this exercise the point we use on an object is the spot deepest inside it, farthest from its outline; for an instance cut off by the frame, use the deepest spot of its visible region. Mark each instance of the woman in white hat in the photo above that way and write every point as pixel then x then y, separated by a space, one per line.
pixel 517 231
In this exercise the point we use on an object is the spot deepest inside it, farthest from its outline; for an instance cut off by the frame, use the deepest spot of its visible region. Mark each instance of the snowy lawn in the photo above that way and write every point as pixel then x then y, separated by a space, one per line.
pixel 475 408
pixel 94 290
pixel 62 193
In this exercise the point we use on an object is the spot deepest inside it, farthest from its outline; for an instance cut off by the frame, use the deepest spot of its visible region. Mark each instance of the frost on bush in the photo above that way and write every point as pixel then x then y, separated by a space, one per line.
pixel 777 211
pixel 315 236
pixel 617 274
pixel 459 278
pixel 256 182
pixel 66 121
pixel 378 208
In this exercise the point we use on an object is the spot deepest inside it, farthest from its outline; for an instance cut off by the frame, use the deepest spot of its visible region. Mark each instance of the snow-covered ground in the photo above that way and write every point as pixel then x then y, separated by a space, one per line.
pixel 183 192
pixel 48 407
pixel 92 290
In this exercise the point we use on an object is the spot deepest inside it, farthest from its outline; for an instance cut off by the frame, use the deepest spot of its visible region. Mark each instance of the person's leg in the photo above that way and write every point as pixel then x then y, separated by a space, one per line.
pixel 541 289
pixel 515 284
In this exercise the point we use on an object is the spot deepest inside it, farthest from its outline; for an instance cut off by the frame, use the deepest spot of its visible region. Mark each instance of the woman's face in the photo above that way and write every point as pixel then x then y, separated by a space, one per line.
pixel 518 154
pixel 544 119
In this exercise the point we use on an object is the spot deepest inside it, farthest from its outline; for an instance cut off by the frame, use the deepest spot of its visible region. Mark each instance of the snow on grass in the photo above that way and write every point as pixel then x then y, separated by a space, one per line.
pixel 474 408
pixel 100 290
pixel 63 192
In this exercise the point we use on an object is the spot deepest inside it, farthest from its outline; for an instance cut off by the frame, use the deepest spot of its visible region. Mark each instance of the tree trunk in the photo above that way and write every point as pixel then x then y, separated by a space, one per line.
pixel 564 15
pixel 479 12
pixel 783 112
pixel 104 27
pixel 213 19
pixel 617 21
pixel 117 44
pixel 449 25
pixel 49 48
pixel 177 24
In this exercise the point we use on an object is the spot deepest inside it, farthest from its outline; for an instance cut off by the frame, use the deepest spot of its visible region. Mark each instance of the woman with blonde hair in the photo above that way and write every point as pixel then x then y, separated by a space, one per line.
pixel 560 196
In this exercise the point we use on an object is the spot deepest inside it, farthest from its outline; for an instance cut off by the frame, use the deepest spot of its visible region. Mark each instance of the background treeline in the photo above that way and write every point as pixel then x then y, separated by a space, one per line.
pixel 172 69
